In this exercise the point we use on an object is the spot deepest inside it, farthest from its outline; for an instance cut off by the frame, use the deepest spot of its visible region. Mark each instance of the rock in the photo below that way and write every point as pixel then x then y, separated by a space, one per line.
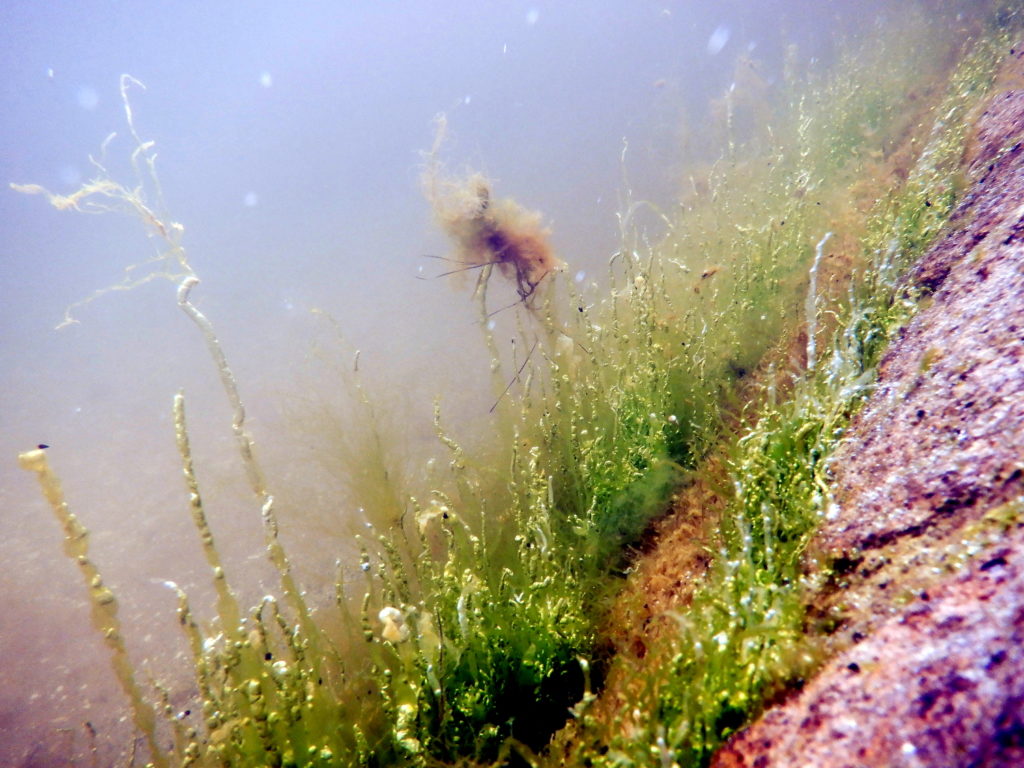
pixel 928 654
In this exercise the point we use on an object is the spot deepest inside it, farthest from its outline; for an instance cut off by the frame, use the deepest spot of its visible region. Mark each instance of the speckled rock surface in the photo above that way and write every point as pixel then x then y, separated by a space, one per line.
pixel 939 686
pixel 943 435
pixel 929 618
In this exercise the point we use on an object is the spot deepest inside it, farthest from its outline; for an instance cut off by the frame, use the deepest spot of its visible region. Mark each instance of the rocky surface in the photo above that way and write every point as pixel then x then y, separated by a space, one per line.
pixel 927 612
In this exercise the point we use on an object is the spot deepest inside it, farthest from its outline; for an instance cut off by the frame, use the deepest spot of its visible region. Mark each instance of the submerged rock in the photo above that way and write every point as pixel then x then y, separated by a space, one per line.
pixel 927 609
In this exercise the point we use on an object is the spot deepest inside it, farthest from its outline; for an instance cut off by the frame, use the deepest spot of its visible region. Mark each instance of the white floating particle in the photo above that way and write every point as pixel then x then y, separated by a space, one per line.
pixel 531 16
pixel 265 79
pixel 718 39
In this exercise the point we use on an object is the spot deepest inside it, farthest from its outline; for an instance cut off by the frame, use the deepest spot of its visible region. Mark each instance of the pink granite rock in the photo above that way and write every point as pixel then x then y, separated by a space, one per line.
pixel 935 678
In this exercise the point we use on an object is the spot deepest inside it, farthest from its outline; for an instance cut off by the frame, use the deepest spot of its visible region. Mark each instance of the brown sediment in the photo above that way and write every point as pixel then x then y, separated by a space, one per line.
pixel 488 231
pixel 927 605
pixel 672 559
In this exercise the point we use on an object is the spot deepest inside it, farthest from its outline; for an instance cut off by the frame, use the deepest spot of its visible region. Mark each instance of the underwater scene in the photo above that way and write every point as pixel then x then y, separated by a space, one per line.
pixel 451 384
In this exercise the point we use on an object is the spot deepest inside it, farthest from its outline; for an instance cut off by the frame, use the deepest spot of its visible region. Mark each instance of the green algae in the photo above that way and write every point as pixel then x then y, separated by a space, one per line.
pixel 743 639
pixel 101 598
pixel 476 634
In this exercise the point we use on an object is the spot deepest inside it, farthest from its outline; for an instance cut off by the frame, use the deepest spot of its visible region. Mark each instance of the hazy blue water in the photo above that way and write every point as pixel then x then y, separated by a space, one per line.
pixel 289 139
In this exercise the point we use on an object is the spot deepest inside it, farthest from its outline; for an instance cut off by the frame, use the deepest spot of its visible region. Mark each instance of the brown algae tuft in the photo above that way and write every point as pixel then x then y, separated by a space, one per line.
pixel 488 231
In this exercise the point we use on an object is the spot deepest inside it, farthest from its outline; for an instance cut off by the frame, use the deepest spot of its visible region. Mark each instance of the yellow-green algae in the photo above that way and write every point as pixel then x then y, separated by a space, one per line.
pixel 477 631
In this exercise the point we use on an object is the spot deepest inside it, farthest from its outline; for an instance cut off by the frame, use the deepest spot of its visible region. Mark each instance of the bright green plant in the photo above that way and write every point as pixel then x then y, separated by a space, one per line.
pixel 743 637
pixel 473 630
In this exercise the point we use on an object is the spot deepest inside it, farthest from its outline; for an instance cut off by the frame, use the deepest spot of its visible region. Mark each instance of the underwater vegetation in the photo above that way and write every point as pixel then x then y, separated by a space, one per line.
pixel 749 333
pixel 741 636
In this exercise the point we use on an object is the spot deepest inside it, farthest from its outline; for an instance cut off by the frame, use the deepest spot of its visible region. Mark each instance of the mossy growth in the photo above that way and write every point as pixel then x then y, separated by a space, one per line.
pixel 473 631
pixel 742 639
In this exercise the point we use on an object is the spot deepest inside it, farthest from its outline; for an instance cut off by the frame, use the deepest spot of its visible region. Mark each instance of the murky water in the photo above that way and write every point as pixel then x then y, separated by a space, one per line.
pixel 289 140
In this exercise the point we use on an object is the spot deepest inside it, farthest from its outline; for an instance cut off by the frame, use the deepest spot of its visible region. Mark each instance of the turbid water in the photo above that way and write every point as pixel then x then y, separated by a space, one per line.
pixel 289 145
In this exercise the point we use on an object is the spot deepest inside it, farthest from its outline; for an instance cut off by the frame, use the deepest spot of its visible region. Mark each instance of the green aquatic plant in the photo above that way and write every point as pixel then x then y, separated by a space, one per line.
pixel 472 628
pixel 743 638
pixel 102 600
pixel 469 629
pixel 270 686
